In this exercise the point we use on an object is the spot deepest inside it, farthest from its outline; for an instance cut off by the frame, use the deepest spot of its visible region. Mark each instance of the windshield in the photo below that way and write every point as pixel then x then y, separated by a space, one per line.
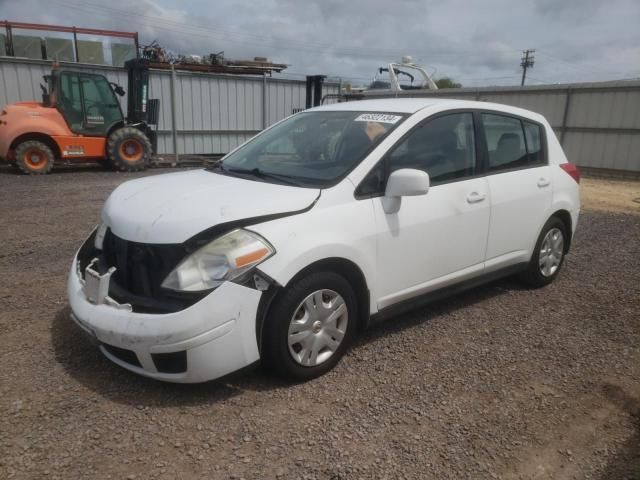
pixel 311 149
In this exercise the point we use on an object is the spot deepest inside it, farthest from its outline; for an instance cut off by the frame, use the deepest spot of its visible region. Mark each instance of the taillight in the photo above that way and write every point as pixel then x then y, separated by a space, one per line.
pixel 572 170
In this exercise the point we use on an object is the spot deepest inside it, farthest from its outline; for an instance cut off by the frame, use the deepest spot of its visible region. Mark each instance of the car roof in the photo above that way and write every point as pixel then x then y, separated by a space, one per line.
pixel 412 105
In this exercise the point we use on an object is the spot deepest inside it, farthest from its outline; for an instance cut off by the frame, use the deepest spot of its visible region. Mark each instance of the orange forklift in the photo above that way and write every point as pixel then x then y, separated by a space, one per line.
pixel 79 120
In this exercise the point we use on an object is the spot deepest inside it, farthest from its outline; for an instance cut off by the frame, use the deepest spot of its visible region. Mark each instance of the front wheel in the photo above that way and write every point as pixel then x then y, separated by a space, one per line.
pixel 548 255
pixel 310 326
pixel 129 149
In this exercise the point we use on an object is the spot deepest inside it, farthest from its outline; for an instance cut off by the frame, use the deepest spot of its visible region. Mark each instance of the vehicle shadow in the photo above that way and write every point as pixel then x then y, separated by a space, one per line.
pixel 84 362
pixel 425 313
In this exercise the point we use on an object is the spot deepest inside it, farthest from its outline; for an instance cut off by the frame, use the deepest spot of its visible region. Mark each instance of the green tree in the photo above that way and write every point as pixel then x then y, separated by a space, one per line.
pixel 447 82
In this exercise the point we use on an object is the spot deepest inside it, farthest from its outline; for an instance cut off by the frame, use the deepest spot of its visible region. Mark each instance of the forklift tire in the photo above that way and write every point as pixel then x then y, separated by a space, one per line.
pixel 129 150
pixel 34 157
pixel 105 163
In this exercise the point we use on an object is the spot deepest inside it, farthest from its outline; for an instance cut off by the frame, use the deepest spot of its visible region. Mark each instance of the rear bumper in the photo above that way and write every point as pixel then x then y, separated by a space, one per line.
pixel 215 336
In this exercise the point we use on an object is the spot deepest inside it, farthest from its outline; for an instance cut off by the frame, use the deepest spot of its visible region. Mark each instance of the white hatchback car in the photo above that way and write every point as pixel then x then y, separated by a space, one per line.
pixel 331 219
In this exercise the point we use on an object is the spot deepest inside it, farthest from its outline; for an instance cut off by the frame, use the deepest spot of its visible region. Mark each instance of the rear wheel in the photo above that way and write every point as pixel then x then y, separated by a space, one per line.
pixel 34 157
pixel 310 326
pixel 128 149
pixel 548 254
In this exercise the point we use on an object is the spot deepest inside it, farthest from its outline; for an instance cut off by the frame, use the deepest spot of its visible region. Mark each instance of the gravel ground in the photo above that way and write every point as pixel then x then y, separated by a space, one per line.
pixel 500 382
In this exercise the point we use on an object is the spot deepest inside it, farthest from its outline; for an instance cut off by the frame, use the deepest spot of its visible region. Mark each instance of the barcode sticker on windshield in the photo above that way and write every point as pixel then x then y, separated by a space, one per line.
pixel 378 117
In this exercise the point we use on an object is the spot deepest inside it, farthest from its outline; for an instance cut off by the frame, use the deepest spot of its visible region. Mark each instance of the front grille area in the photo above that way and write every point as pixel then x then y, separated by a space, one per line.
pixel 170 362
pixel 123 354
pixel 140 270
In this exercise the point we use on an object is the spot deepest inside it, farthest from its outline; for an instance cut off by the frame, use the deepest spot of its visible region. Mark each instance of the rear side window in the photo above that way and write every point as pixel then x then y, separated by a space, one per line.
pixel 512 143
pixel 534 138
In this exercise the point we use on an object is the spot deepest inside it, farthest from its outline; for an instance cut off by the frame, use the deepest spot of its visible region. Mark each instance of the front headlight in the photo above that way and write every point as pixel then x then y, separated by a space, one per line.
pixel 225 258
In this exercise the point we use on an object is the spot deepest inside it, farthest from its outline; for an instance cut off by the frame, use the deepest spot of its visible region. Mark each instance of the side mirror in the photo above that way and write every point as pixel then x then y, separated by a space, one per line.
pixel 46 99
pixel 117 89
pixel 404 183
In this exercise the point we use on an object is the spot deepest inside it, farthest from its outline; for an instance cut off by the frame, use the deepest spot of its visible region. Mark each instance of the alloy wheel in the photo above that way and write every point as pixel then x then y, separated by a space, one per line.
pixel 551 252
pixel 317 327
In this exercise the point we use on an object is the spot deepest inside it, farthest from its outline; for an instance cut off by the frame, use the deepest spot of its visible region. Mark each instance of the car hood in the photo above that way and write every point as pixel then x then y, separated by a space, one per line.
pixel 172 208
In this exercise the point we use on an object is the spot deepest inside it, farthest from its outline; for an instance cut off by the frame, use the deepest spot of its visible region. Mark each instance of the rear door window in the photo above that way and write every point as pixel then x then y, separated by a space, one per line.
pixel 513 143
pixel 505 142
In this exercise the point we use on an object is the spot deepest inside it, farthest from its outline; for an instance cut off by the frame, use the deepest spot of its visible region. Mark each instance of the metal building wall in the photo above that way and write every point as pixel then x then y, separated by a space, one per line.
pixel 598 124
pixel 213 113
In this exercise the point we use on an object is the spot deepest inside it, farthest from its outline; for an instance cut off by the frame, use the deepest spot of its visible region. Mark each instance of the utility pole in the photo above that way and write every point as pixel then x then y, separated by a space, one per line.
pixel 527 62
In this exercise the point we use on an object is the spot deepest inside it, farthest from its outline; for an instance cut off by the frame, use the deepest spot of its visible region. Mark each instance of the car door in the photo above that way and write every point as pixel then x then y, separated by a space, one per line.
pixel 438 238
pixel 520 185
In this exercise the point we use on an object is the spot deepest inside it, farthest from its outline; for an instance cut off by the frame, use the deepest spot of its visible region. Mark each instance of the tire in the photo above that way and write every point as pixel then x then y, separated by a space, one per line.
pixel 544 268
pixel 105 163
pixel 320 347
pixel 34 157
pixel 128 150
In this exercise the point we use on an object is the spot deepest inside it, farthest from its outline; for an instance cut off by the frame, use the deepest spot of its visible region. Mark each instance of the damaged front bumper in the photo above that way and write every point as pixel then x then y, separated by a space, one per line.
pixel 211 338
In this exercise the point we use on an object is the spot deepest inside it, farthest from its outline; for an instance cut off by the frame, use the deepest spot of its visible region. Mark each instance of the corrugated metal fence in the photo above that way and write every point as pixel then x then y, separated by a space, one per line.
pixel 598 124
pixel 213 113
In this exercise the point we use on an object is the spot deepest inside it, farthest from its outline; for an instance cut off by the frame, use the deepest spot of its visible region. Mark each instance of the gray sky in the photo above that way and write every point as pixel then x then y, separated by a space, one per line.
pixel 475 42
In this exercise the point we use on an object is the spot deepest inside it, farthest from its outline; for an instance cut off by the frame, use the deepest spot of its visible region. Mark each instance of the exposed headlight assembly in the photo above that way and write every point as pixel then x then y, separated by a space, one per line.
pixel 225 258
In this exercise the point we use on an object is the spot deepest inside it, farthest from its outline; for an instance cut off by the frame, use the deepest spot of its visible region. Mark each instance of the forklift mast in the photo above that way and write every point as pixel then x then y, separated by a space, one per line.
pixel 140 109
pixel 314 90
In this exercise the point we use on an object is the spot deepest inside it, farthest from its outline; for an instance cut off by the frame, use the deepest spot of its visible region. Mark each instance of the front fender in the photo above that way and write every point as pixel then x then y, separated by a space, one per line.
pixel 344 231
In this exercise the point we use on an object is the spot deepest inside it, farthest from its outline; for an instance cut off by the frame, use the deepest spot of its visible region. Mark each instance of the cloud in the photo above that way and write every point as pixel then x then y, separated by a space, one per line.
pixel 473 42
pixel 560 10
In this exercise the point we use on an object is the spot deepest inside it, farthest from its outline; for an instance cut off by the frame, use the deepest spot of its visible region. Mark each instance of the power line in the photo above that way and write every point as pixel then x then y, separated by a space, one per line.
pixel 541 80
pixel 585 66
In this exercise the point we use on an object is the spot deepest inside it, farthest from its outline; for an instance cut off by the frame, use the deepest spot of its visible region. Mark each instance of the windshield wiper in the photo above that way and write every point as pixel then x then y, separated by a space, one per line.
pixel 256 172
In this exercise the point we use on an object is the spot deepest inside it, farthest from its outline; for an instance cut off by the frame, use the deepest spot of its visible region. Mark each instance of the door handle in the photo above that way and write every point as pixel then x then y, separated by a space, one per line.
pixel 475 197
pixel 544 182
